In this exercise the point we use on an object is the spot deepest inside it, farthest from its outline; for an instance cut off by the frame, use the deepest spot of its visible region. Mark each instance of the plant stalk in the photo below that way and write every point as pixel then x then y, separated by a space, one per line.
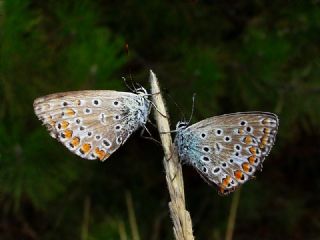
pixel 182 225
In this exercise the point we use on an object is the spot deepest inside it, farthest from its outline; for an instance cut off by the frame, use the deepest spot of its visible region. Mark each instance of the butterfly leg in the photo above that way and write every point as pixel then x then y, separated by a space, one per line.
pixel 155 107
pixel 149 138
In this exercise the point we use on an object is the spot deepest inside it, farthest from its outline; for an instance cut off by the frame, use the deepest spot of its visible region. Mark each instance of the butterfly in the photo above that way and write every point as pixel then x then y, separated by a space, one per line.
pixel 93 123
pixel 228 149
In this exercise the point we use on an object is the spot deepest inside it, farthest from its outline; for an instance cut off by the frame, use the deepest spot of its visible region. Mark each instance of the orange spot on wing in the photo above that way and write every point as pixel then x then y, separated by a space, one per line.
pixel 64 124
pixel 267 130
pixel 253 150
pixel 264 140
pixel 252 159
pixel 101 154
pixel 246 167
pixel 238 174
pixel 226 181
pixel 75 141
pixel 70 112
pixel 222 189
pixel 266 121
pixel 68 134
pixel 248 139
pixel 85 148
pixel 240 131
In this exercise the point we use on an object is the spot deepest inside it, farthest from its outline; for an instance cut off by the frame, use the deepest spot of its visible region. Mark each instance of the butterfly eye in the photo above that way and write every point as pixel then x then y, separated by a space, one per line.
pixel 181 125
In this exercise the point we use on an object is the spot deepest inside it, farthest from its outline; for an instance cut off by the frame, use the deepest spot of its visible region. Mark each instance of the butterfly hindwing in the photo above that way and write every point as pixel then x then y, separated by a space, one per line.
pixel 227 150
pixel 92 124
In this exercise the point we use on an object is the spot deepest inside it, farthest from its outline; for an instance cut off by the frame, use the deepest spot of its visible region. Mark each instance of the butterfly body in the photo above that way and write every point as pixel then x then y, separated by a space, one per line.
pixel 227 150
pixel 93 123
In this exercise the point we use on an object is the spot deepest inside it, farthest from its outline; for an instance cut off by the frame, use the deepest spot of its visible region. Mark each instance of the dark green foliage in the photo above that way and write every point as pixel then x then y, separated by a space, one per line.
pixel 236 56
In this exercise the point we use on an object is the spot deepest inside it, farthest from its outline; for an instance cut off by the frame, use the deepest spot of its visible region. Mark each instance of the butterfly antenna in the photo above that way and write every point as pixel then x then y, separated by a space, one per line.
pixel 183 116
pixel 192 110
pixel 139 85
pixel 127 85
pixel 132 82
pixel 133 88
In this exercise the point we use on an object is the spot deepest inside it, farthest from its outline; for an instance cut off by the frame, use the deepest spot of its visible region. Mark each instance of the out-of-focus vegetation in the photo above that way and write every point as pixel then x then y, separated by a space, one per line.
pixel 237 56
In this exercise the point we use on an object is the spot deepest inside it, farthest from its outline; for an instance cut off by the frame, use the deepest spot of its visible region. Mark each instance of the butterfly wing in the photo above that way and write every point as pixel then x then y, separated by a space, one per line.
pixel 92 124
pixel 227 150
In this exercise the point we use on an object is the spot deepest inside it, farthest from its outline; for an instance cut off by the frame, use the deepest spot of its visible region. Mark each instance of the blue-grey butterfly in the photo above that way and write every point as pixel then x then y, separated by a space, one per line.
pixel 93 123
pixel 227 150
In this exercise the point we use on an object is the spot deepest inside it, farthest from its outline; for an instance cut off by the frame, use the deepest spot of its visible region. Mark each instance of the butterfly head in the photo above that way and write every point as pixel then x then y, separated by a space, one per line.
pixel 141 91
pixel 181 125
pixel 144 105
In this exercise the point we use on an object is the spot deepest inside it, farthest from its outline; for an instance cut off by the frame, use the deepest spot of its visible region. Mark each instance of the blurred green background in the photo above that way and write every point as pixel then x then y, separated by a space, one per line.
pixel 236 55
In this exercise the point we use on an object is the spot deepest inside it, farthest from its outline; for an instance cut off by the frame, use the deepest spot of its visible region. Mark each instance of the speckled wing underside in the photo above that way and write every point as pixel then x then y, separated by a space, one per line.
pixel 227 150
pixel 91 124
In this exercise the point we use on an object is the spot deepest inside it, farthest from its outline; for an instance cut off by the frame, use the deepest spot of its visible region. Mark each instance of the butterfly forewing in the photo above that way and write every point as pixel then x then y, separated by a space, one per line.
pixel 92 124
pixel 227 150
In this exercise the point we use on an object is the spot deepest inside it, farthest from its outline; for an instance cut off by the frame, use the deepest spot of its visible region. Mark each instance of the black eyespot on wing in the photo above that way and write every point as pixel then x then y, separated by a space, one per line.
pixel 106 143
pixel 206 149
pixel 216 170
